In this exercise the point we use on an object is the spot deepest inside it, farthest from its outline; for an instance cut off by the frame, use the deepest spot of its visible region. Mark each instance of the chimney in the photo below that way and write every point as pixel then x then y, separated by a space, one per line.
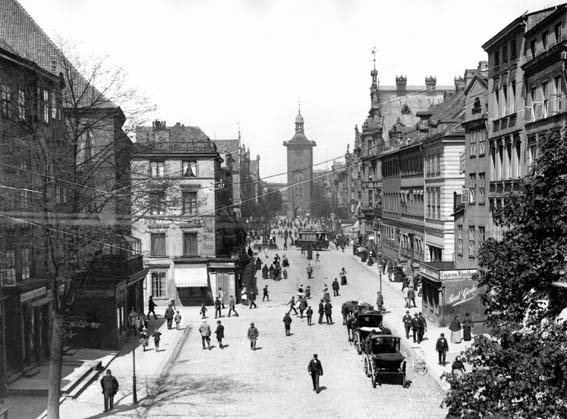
pixel 430 83
pixel 401 84
pixel 483 68
pixel 459 84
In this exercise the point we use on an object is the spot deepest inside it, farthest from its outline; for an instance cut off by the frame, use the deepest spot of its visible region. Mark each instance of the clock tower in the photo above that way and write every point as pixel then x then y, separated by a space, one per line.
pixel 299 171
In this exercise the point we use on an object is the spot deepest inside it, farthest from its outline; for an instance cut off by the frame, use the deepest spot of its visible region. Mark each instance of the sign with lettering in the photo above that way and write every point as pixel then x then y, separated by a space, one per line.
pixel 432 273
pixel 460 296
pixel 97 293
pixel 457 274
pixel 121 290
pixel 30 295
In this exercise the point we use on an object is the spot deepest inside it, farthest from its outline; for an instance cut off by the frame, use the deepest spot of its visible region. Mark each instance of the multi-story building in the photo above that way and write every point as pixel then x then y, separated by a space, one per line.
pixel 473 218
pixel 190 242
pixel 339 197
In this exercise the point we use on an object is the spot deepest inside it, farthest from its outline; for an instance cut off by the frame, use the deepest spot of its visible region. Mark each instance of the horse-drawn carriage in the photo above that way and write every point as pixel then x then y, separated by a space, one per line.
pixel 365 322
pixel 383 359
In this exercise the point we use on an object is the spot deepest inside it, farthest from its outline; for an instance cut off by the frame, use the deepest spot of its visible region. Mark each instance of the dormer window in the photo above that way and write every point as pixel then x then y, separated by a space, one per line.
pixel 476 106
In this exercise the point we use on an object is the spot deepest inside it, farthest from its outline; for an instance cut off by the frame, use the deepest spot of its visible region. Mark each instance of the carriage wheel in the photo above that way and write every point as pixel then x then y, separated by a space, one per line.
pixel 373 377
pixel 366 367
pixel 358 345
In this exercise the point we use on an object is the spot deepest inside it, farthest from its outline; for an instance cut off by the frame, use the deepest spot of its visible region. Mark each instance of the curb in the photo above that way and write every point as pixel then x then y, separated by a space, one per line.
pixel 148 402
pixel 443 385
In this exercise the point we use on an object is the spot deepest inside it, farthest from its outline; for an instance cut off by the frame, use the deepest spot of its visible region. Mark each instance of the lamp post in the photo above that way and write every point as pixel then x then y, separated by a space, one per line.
pixel 133 317
pixel 380 279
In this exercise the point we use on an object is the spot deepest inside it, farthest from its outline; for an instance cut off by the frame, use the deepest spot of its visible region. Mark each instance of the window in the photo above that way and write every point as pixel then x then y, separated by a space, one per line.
pixel 476 106
pixel 472 150
pixel 558 94
pixel 481 142
pixel 53 106
pixel 158 244
pixel 157 203
pixel 438 203
pixel 21 104
pixel 472 188
pixel 159 284
pixel 45 104
pixel 544 93
pixel 481 235
pixel 481 188
pixel 544 39
pixel 8 267
pixel 6 98
pixel 189 203
pixel 497 57
pixel 157 168
pixel 189 168
pixel 459 239
pixel 504 54
pixel 26 262
pixel 496 99
pixel 512 101
pixel 471 241
pixel 557 30
pixel 504 102
pixel 513 49
pixel 532 47
pixel 190 244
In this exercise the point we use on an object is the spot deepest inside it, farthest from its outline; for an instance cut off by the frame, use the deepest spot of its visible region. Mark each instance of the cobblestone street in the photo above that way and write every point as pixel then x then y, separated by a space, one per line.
pixel 273 382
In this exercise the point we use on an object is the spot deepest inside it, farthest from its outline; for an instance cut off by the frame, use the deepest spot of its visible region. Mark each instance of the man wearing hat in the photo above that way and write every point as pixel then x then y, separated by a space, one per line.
pixel 252 335
pixel 422 327
pixel 109 388
pixel 407 323
pixel 315 369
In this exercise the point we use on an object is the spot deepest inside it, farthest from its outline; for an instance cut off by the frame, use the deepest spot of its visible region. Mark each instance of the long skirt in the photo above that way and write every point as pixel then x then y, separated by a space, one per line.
pixel 466 333
pixel 456 336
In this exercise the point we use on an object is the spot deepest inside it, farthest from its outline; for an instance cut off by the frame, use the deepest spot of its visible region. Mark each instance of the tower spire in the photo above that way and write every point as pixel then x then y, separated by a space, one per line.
pixel 374 100
pixel 299 118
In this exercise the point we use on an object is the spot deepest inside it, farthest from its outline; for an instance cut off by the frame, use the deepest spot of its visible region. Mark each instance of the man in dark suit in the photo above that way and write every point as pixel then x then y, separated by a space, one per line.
pixel 407 323
pixel 315 369
pixel 109 388
pixel 442 348
pixel 321 311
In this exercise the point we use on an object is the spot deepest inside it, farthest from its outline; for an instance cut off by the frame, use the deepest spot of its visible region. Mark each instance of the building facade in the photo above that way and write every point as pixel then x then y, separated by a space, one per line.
pixel 299 171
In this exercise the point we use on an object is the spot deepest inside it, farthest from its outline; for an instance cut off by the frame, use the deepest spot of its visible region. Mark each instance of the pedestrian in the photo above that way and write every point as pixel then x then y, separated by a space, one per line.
pixel 342 274
pixel 349 324
pixel 218 312
pixel 109 385
pixel 203 311
pixel 152 307
pixel 315 369
pixel 309 270
pixel 407 323
pixel 302 306
pixel 411 296
pixel 232 306
pixel 172 303
pixel 252 299
pixel 157 337
pixel 220 333
pixel 467 326
pixel 328 312
pixel 455 328
pixel 177 319
pixel 422 327
pixel 321 311
pixel 458 368
pixel 379 301
pixel 317 257
pixel 415 327
pixel 406 297
pixel 144 338
pixel 291 305
pixel 253 336
pixel 140 322
pixel 326 295
pixel 169 313
pixel 336 288
pixel 309 314
pixel 265 272
pixel 220 296
pixel 205 331
pixel 284 273
pixel 287 324
pixel 442 347
pixel 266 295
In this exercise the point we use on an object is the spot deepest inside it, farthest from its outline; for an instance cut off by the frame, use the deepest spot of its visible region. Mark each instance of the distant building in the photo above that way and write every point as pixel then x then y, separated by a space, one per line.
pixel 191 243
pixel 299 171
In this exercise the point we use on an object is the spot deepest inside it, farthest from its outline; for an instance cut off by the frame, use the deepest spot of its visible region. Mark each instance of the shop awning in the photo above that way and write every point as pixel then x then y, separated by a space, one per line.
pixel 356 227
pixel 188 276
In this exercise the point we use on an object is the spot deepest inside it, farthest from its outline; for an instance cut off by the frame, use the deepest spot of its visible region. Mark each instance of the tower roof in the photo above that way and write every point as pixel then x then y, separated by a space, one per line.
pixel 299 137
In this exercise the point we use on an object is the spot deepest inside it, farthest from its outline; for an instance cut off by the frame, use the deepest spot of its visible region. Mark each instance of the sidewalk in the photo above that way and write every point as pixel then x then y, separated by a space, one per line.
pixel 149 367
pixel 395 306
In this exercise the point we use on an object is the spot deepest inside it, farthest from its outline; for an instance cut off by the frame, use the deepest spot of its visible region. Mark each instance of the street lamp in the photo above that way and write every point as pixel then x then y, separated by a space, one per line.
pixel 133 316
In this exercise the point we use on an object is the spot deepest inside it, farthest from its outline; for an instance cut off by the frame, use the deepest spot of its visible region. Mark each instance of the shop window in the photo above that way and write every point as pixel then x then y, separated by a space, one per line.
pixel 190 244
pixel 158 244
pixel 189 168
pixel 159 284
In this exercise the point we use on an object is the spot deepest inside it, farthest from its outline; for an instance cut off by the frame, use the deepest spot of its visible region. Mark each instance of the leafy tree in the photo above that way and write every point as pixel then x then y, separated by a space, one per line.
pixel 519 370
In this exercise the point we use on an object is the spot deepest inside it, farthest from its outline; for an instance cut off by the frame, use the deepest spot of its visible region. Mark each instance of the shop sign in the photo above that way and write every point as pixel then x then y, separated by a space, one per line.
pixel 462 295
pixel 97 293
pixel 433 273
pixel 457 274
pixel 30 295
pixel 121 290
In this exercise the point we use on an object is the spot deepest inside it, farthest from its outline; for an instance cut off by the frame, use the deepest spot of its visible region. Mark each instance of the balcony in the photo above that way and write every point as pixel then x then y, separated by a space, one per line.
pixel 176 148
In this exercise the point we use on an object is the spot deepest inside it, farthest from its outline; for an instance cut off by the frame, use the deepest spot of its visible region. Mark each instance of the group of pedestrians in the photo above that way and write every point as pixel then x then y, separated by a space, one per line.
pixel 205 331
pixel 416 324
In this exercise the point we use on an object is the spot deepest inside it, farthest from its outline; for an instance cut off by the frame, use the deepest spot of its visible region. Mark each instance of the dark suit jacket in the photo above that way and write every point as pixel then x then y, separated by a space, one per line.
pixel 442 345
pixel 109 384
pixel 315 367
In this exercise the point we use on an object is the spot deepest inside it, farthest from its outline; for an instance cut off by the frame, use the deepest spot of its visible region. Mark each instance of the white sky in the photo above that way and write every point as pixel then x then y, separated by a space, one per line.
pixel 215 63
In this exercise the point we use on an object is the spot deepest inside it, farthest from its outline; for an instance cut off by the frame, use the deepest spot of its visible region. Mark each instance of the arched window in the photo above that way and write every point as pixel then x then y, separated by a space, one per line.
pixel 476 106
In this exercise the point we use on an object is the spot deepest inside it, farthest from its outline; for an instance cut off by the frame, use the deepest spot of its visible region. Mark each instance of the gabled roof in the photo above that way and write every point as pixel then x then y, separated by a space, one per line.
pixel 25 37
pixel 477 78
pixel 228 146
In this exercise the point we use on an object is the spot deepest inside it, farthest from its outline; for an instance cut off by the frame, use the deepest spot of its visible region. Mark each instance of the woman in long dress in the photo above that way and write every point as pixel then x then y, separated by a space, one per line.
pixel 455 328
pixel 458 368
pixel 467 327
